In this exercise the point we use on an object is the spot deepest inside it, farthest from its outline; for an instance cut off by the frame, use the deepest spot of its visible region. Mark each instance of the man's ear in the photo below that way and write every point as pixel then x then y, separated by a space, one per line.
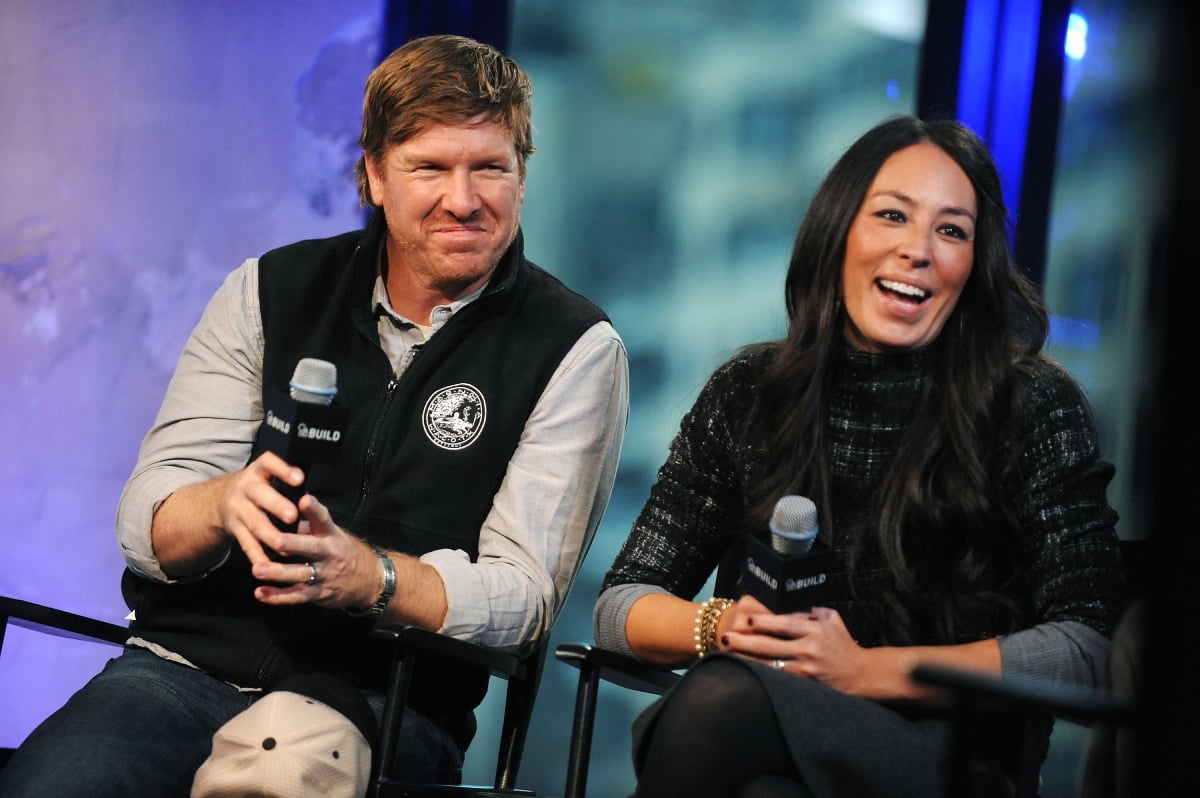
pixel 374 179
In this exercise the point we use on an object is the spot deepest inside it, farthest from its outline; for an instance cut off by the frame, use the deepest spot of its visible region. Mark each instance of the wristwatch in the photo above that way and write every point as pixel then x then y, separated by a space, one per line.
pixel 389 588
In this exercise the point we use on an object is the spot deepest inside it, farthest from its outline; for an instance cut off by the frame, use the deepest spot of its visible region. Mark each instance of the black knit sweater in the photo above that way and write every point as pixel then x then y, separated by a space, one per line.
pixel 1061 561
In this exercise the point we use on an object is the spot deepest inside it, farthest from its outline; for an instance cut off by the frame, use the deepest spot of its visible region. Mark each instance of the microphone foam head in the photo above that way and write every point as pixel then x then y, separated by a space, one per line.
pixel 793 525
pixel 314 381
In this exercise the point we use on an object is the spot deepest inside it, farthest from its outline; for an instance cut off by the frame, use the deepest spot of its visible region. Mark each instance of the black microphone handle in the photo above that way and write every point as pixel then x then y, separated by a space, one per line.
pixel 292 494
pixel 302 434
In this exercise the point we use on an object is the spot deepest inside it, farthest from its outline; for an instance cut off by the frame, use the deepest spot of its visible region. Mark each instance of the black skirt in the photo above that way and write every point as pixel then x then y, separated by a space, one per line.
pixel 842 746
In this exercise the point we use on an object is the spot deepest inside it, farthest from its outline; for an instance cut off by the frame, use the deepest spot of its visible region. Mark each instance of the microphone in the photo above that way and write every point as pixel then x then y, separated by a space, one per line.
pixel 303 427
pixel 788 573
pixel 793 525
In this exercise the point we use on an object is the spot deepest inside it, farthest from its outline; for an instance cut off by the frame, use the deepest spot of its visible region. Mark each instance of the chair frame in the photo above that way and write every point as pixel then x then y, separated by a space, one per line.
pixel 523 675
pixel 57 622
pixel 408 643
pixel 595 664
pixel 977 697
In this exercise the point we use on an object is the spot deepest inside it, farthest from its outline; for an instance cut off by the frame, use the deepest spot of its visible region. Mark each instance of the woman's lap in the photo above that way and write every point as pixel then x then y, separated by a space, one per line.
pixel 839 745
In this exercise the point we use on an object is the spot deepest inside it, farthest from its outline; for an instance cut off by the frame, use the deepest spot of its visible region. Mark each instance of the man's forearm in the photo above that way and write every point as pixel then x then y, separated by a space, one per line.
pixel 186 532
pixel 420 598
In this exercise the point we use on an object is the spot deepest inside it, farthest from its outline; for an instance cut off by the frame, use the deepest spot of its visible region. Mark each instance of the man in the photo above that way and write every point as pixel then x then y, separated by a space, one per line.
pixel 475 530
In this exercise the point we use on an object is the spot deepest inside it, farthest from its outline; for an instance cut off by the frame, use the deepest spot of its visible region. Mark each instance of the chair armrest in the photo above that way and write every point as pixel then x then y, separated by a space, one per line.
pixel 1073 703
pixel 617 668
pixel 494 660
pixel 59 622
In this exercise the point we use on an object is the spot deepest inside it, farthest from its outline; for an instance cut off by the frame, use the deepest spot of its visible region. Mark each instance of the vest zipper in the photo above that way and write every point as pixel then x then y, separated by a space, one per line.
pixel 373 442
pixel 372 445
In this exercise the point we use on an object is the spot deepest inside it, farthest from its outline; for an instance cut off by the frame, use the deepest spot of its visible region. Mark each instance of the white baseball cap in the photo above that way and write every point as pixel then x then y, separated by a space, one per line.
pixel 295 742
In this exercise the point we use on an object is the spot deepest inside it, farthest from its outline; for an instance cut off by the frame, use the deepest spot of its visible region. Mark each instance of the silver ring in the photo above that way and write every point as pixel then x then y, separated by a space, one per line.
pixel 777 664
pixel 312 573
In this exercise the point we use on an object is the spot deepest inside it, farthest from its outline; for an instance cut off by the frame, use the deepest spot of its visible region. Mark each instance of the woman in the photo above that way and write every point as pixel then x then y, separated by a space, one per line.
pixel 957 477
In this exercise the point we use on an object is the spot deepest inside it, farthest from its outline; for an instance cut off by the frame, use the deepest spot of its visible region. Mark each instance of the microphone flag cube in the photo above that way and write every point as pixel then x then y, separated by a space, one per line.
pixel 301 433
pixel 786 583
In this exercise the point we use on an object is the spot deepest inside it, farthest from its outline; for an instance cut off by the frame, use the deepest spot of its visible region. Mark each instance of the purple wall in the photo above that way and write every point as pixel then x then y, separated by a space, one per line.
pixel 147 148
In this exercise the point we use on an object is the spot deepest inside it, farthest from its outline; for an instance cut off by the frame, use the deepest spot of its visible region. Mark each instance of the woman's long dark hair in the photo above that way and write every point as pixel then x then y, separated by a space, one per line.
pixel 938 486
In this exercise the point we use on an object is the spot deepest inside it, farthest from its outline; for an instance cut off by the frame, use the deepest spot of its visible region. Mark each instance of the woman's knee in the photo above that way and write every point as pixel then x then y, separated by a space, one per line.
pixel 716 694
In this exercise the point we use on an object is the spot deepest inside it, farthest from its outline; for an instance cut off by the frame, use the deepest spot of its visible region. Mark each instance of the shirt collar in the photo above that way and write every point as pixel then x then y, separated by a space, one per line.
pixel 381 305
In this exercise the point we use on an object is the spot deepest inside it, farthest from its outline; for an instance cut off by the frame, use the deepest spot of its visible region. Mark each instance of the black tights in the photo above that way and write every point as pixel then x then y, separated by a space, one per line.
pixel 717 735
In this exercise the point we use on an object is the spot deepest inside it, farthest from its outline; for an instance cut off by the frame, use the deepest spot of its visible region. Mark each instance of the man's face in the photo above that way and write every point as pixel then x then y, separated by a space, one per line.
pixel 452 195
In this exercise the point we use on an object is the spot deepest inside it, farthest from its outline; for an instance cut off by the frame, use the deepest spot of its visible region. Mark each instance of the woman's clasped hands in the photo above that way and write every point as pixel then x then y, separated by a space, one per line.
pixel 813 644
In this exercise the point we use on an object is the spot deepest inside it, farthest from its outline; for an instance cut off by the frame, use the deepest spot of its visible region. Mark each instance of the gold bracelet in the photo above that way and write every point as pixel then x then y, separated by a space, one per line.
pixel 705 629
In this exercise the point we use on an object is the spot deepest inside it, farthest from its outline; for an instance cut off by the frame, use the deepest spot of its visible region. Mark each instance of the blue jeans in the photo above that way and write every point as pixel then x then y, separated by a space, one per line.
pixel 143 726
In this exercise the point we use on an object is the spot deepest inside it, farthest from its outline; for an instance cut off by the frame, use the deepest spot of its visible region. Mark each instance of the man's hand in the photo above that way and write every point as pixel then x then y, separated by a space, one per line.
pixel 195 526
pixel 248 500
pixel 325 565
pixel 338 569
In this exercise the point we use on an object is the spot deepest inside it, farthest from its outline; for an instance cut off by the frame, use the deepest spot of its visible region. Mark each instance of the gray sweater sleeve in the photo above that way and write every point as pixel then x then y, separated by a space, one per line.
pixel 1060 651
pixel 612 608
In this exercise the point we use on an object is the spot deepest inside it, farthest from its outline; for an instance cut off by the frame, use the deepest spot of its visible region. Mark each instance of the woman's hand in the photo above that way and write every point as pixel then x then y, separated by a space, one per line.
pixel 817 646
pixel 813 644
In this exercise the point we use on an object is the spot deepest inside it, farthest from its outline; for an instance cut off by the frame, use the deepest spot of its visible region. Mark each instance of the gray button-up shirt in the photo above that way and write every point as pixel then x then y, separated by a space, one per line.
pixel 542 519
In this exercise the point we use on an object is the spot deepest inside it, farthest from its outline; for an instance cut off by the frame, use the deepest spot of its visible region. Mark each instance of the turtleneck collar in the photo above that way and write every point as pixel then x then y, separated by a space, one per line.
pixel 872 365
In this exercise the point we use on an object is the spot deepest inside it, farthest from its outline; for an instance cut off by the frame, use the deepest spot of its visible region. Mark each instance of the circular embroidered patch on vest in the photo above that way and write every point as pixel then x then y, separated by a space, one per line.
pixel 454 416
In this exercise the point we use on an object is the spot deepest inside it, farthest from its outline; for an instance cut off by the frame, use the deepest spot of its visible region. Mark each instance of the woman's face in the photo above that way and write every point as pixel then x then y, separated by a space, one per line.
pixel 909 251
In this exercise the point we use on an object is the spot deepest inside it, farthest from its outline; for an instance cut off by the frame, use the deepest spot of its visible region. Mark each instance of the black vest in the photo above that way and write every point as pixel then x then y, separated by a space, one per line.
pixel 421 460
